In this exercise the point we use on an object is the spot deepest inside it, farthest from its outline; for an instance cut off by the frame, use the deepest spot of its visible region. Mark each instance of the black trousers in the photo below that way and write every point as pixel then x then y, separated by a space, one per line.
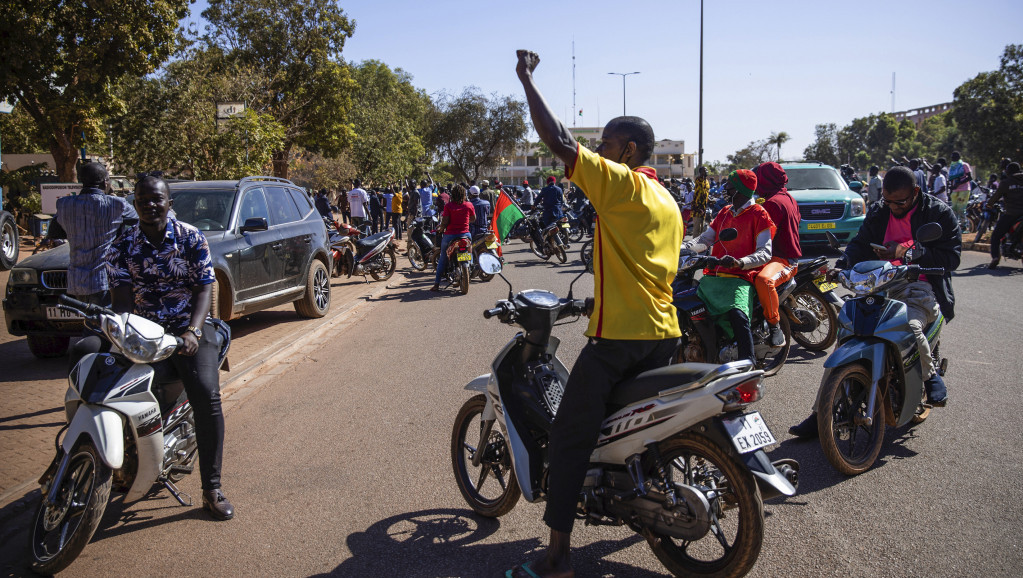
pixel 602 364
pixel 743 334
pixel 1002 227
pixel 396 223
pixel 377 221
pixel 200 375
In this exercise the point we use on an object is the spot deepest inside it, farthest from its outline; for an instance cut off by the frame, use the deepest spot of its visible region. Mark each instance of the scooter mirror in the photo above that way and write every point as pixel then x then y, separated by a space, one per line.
pixel 490 264
pixel 833 240
pixel 728 235
pixel 928 233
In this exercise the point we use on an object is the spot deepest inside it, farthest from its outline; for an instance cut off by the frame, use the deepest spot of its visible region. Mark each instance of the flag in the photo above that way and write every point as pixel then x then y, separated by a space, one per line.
pixel 506 215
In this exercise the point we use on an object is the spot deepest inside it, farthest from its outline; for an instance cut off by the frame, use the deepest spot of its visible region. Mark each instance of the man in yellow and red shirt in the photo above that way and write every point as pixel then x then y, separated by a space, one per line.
pixel 727 290
pixel 633 326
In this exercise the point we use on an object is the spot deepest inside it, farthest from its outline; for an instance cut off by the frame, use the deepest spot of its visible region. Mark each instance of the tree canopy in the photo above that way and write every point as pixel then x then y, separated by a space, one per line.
pixel 988 110
pixel 472 131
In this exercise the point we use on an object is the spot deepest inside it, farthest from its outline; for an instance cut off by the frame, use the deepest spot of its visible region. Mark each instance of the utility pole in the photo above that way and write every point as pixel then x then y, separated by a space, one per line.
pixel 700 145
pixel 574 109
pixel 623 75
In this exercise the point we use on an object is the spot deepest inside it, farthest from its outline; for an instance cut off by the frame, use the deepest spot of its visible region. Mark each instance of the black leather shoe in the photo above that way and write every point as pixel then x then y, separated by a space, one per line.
pixel 217 505
pixel 807 429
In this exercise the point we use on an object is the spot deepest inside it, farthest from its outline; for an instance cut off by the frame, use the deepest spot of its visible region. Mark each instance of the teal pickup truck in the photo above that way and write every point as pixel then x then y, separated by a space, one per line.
pixel 826 203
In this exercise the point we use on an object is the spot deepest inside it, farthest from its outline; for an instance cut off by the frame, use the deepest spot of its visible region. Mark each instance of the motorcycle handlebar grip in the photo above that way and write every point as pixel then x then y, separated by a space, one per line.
pixel 932 271
pixel 492 312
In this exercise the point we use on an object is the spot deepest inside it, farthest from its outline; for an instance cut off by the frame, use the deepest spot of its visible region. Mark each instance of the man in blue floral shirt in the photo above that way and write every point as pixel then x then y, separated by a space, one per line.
pixel 161 269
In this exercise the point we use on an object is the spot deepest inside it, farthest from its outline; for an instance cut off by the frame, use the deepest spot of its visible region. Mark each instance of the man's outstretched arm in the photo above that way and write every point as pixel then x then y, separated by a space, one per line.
pixel 551 130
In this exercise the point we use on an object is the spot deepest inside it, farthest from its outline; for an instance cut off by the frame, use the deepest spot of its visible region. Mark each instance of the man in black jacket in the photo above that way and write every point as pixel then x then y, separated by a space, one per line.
pixel 1011 188
pixel 891 223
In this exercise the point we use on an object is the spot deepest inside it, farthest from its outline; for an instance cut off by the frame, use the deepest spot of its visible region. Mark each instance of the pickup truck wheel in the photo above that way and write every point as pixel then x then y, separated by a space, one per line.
pixel 48 346
pixel 315 302
pixel 8 241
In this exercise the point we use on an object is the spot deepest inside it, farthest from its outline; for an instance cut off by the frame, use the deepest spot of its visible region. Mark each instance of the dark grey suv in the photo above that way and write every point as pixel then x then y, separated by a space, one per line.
pixel 268 243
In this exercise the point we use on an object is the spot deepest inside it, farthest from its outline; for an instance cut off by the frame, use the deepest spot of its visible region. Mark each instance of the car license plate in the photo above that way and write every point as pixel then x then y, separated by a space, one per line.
pixel 822 284
pixel 58 313
pixel 819 226
pixel 465 256
pixel 749 432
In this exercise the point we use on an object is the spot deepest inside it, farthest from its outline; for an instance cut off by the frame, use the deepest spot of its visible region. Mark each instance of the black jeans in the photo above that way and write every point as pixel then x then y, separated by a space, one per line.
pixel 200 374
pixel 1002 227
pixel 743 334
pixel 602 364
pixel 396 223
pixel 377 221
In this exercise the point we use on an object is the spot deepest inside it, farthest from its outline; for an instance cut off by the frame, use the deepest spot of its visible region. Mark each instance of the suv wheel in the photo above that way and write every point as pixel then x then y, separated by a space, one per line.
pixel 8 240
pixel 47 346
pixel 316 300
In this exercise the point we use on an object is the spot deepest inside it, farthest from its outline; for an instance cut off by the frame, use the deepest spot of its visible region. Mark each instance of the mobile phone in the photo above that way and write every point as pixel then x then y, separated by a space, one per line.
pixel 879 247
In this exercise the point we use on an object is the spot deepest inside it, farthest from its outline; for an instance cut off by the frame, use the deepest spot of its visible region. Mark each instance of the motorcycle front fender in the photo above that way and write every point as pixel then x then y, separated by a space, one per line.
pixel 864 350
pixel 106 429
pixel 833 298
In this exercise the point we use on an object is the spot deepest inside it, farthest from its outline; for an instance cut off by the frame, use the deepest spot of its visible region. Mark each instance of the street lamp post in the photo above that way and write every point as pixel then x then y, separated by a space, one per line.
pixel 700 145
pixel 623 75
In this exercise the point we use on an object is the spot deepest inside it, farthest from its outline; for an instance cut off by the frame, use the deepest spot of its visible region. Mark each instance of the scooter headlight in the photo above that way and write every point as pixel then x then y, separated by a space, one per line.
pixel 112 329
pixel 141 349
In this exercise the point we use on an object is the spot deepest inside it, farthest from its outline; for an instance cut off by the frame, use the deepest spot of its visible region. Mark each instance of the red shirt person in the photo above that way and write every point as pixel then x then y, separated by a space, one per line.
pixel 785 249
pixel 454 221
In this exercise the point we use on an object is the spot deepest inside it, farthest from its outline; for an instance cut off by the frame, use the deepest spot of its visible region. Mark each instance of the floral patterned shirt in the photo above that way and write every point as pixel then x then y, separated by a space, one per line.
pixel 162 277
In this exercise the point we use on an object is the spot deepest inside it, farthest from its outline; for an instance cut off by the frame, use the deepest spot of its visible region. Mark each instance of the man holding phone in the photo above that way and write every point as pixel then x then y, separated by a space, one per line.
pixel 887 234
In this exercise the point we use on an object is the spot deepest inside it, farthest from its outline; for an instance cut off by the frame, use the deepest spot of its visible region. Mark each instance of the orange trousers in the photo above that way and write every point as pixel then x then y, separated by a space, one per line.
pixel 776 272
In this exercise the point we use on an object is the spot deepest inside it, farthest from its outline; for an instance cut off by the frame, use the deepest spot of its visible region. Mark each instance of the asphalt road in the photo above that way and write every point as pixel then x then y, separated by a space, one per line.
pixel 341 466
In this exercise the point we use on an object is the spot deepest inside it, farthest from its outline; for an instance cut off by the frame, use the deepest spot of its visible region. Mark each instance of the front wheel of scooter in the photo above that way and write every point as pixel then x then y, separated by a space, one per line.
pixel 490 489
pixel 61 530
pixel 849 443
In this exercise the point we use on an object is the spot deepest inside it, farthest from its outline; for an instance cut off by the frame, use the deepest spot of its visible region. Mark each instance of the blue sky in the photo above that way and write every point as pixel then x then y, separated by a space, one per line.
pixel 768 66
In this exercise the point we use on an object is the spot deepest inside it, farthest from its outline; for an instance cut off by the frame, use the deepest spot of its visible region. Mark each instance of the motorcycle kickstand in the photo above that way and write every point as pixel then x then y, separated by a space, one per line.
pixel 176 492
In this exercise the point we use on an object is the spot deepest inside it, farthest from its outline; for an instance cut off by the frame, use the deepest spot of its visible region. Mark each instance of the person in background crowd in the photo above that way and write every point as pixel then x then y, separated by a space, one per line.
pixel 323 204
pixel 785 248
pixel 918 172
pixel 482 208
pixel 473 188
pixel 939 186
pixel 701 192
pixel 874 186
pixel 344 206
pixel 397 204
pixel 443 197
pixel 959 176
pixel 992 182
pixel 90 220
pixel 358 201
pixel 426 190
pixel 385 202
pixel 376 211
pixel 487 193
pixel 526 199
pixel 455 219
pixel 1011 188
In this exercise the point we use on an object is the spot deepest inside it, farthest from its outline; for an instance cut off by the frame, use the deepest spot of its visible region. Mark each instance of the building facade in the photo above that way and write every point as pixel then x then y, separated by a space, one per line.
pixel 918 115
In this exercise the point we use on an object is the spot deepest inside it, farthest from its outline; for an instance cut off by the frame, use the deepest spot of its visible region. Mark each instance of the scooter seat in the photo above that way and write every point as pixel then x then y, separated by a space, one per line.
pixel 367 243
pixel 650 383
pixel 812 263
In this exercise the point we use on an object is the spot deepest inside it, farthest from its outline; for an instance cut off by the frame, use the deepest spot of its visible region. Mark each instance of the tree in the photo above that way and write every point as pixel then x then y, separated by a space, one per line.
pixel 473 132
pixel 20 133
pixel 853 138
pixel 988 110
pixel 60 58
pixel 777 139
pixel 881 138
pixel 389 121
pixel 825 148
pixel 295 46
pixel 753 154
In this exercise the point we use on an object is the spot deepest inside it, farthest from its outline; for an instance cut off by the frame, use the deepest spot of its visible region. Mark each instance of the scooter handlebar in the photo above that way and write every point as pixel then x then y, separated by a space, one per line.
pixel 71 304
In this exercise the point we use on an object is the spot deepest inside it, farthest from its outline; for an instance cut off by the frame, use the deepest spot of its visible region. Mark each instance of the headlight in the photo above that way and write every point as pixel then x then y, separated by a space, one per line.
pixel 887 276
pixel 137 347
pixel 24 277
pixel 857 207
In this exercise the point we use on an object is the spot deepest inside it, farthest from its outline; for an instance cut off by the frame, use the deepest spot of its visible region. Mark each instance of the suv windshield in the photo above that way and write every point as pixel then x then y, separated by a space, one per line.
pixel 204 209
pixel 805 179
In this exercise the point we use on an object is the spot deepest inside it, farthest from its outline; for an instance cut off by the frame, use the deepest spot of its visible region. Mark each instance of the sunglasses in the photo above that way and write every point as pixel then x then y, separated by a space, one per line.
pixel 901 203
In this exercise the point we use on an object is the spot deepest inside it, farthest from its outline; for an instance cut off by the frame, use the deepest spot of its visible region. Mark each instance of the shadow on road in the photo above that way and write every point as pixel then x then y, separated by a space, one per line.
pixel 20 365
pixel 3 420
pixel 448 542
pixel 1002 271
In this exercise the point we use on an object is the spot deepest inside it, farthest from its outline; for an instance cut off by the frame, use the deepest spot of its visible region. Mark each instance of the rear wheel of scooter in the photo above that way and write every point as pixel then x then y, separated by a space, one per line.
pixel 415 256
pixel 850 447
pixel 537 251
pixel 826 332
pixel 732 546
pixel 575 234
pixel 773 364
pixel 463 278
pixel 586 254
pixel 60 532
pixel 561 254
pixel 490 489
pixel 390 263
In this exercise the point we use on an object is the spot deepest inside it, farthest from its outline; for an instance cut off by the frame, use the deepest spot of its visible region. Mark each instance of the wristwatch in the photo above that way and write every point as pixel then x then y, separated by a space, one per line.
pixel 195 331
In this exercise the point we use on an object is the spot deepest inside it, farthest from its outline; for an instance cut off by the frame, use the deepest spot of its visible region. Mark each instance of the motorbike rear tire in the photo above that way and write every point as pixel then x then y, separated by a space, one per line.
pixel 561 254
pixel 586 254
pixel 575 234
pixel 537 252
pixel 415 256
pixel 772 365
pixel 392 263
pixel 497 462
pixel 738 491
pixel 85 488
pixel 834 401
pixel 981 229
pixel 827 318
pixel 463 278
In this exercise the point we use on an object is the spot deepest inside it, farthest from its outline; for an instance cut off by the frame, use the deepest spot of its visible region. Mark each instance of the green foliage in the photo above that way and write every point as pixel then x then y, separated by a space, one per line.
pixel 389 118
pixel 777 139
pixel 543 173
pixel 19 193
pixel 20 134
pixel 753 154
pixel 60 58
pixel 473 132
pixel 824 149
pixel 315 171
pixel 989 111
pixel 295 47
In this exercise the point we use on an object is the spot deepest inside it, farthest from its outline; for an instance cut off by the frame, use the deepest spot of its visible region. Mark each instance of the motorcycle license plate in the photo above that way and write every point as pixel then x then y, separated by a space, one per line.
pixel 464 257
pixel 818 226
pixel 565 226
pixel 822 284
pixel 58 313
pixel 749 432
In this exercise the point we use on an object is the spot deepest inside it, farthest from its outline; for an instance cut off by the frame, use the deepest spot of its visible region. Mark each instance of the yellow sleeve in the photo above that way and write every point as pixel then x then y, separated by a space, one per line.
pixel 599 177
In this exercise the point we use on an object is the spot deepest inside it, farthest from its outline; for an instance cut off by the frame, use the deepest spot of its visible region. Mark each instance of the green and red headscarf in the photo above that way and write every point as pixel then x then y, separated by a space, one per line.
pixel 744 181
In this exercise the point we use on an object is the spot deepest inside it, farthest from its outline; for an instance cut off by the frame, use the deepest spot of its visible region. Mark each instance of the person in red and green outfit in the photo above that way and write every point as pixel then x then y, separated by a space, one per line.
pixel 727 289
pixel 633 326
